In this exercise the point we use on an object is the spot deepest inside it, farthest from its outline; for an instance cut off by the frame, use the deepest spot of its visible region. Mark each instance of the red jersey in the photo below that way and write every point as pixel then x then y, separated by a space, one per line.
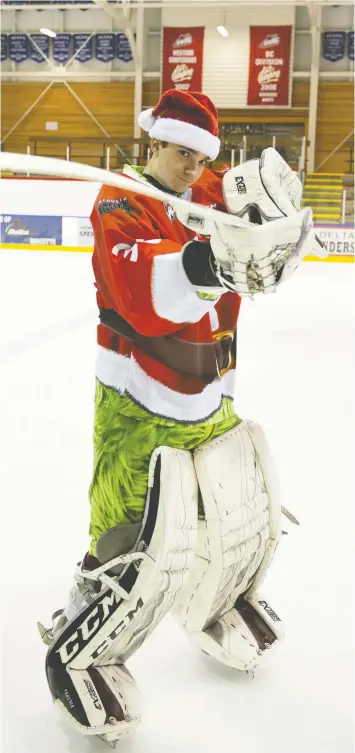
pixel 139 274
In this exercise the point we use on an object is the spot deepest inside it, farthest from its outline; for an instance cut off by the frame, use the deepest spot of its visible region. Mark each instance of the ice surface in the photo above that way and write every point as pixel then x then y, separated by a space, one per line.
pixel 296 377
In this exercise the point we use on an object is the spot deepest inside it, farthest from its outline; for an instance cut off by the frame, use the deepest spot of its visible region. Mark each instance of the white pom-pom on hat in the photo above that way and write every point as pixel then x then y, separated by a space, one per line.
pixel 146 119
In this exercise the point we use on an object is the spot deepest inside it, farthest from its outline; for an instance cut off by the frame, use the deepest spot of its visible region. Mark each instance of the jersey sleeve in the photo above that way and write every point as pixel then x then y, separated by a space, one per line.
pixel 139 273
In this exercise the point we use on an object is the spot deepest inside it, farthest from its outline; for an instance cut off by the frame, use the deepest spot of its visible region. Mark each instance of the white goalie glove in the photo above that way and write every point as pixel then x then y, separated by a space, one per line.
pixel 266 189
pixel 257 258
pixel 249 258
pixel 267 184
pixel 273 235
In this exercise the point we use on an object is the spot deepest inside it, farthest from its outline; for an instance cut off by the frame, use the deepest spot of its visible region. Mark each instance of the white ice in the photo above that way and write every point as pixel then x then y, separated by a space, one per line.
pixel 296 377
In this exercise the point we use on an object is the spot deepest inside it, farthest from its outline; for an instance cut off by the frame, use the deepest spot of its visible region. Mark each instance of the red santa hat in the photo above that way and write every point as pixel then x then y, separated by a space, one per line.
pixel 186 118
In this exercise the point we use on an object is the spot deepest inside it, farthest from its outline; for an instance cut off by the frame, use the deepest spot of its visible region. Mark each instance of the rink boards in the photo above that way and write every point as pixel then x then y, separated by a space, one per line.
pixel 53 215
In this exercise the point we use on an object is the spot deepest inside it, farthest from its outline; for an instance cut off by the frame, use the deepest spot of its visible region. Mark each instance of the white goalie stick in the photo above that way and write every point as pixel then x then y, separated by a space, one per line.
pixel 195 216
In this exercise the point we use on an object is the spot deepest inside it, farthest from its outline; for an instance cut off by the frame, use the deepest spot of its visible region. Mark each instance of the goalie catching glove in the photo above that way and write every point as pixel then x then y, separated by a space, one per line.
pixel 272 235
pixel 266 189
pixel 267 185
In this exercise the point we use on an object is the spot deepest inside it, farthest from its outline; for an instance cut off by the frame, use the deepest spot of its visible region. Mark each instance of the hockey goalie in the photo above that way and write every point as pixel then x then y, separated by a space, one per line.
pixel 185 508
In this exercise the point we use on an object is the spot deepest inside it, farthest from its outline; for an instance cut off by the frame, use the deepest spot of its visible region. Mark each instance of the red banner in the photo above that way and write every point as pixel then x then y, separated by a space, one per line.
pixel 269 65
pixel 182 58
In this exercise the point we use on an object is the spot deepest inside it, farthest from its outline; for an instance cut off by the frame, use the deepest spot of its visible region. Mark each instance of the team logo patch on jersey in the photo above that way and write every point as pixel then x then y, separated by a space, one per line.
pixel 170 211
pixel 112 205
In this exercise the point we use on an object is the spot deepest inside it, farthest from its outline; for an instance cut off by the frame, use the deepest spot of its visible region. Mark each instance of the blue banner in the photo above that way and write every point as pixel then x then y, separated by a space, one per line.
pixel 333 45
pixel 18 49
pixel 3 47
pixel 42 42
pixel 61 47
pixel 86 52
pixel 123 49
pixel 351 45
pixel 31 229
pixel 105 47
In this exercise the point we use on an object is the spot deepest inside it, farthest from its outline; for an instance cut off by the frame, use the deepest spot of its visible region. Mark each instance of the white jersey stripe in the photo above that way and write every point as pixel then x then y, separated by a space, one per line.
pixel 125 375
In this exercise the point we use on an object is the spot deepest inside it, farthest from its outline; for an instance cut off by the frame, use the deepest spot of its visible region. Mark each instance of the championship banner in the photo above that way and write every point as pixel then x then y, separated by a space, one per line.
pixel 3 47
pixel 18 51
pixel 351 45
pixel 269 66
pixel 182 58
pixel 85 53
pixel 61 47
pixel 333 45
pixel 42 41
pixel 123 48
pixel 105 47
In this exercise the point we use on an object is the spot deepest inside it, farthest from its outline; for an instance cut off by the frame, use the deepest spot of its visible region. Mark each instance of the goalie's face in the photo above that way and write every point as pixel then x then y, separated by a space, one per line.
pixel 176 167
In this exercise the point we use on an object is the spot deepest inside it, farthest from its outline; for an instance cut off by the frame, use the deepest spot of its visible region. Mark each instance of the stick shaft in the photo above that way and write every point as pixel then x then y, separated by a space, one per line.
pixel 26 163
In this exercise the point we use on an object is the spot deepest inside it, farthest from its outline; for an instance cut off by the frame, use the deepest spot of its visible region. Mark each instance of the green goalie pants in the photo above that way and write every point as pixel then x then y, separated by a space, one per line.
pixel 125 436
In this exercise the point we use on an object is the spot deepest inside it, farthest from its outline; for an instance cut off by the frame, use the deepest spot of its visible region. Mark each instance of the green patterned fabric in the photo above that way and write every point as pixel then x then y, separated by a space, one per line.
pixel 125 436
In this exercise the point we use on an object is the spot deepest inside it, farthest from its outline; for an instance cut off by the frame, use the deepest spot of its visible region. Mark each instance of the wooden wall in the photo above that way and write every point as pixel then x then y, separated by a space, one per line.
pixel 335 120
pixel 113 105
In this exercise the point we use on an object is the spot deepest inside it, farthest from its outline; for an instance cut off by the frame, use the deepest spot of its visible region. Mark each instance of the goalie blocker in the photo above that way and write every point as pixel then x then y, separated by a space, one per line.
pixel 205 560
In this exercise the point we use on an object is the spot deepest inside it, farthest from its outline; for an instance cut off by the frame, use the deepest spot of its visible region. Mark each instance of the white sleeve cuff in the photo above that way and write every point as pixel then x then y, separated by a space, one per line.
pixel 174 296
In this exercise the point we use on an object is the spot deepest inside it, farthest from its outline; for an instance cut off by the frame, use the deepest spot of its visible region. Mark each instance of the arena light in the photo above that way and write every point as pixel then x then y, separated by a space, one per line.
pixel 223 31
pixel 48 32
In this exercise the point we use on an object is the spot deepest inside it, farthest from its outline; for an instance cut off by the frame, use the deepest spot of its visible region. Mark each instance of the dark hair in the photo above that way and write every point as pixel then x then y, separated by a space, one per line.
pixel 163 143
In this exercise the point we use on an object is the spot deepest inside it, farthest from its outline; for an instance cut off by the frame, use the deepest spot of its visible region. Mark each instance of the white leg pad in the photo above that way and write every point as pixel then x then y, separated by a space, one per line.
pixel 84 663
pixel 242 637
pixel 111 702
pixel 162 572
pixel 237 538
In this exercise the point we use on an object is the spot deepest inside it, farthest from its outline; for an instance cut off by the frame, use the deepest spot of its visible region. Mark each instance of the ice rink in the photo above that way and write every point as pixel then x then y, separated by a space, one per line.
pixel 296 368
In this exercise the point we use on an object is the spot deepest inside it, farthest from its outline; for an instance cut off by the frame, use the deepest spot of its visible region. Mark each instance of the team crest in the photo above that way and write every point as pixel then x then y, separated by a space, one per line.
pixel 112 205
pixel 170 211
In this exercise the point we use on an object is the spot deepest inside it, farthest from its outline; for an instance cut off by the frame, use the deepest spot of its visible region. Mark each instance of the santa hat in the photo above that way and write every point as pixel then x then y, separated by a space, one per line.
pixel 186 118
